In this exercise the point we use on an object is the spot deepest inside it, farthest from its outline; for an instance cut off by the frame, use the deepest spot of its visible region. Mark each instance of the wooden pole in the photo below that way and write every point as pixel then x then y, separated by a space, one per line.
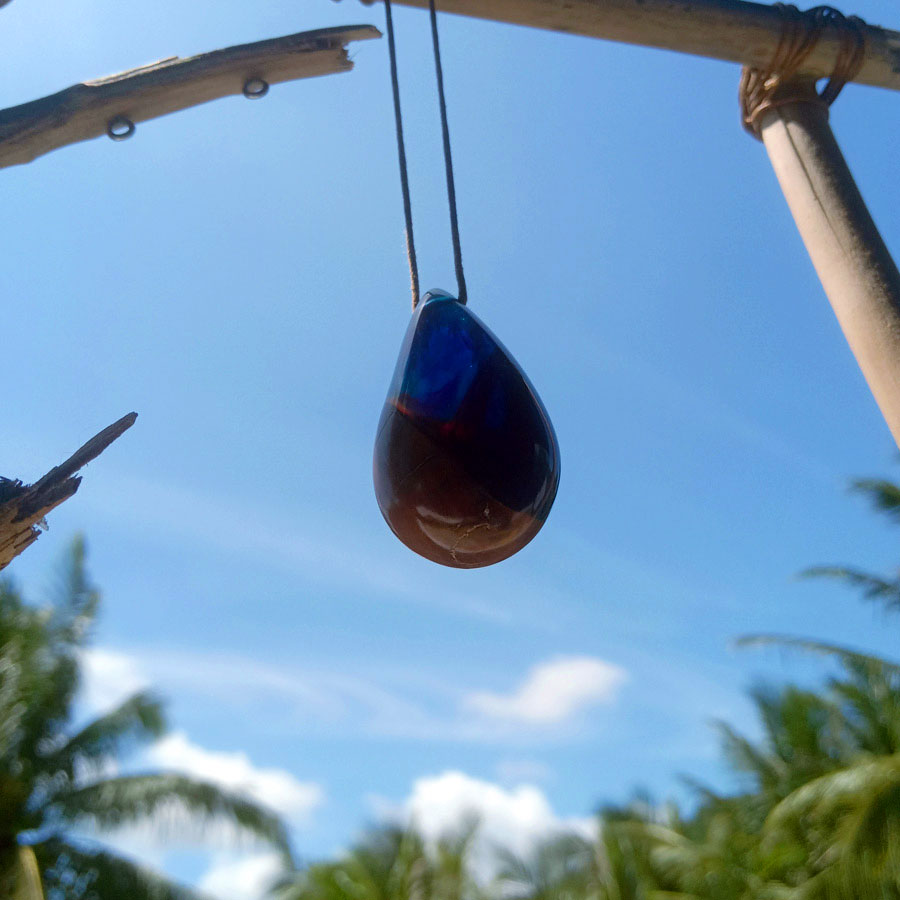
pixel 86 110
pixel 850 257
pixel 732 30
pixel 23 506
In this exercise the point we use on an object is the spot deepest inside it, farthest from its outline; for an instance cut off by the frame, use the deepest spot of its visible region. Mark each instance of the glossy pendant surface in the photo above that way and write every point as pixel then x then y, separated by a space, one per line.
pixel 466 461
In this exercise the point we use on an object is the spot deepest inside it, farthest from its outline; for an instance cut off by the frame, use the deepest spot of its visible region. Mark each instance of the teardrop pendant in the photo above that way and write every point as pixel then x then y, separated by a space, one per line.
pixel 466 461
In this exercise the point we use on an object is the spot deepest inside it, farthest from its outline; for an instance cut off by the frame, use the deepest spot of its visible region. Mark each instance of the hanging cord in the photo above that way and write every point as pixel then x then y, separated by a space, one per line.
pixel 800 32
pixel 448 159
pixel 401 155
pixel 462 294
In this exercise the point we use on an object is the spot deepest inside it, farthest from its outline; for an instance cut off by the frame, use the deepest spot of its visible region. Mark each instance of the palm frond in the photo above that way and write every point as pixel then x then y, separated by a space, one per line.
pixel 885 495
pixel 671 895
pixel 748 759
pixel 75 599
pixel 12 702
pixel 97 873
pixel 53 636
pixel 115 802
pixel 874 587
pixel 139 719
pixel 849 879
pixel 852 794
pixel 704 792
pixel 844 655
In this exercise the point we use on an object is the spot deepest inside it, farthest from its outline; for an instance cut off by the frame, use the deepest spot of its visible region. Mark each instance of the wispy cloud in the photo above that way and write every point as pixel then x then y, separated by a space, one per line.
pixel 553 695
pixel 329 556
pixel 552 692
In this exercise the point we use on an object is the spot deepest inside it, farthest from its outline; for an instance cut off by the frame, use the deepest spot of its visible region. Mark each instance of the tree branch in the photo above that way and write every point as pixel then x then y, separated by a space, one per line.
pixel 23 506
pixel 85 111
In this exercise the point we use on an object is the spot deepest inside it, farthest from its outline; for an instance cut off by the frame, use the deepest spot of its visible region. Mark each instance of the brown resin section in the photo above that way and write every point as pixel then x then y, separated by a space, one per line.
pixel 436 507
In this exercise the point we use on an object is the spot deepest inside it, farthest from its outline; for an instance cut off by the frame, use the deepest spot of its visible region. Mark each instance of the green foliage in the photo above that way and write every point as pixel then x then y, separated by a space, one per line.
pixel 389 863
pixel 52 774
pixel 818 816
pixel 884 495
pixel 73 872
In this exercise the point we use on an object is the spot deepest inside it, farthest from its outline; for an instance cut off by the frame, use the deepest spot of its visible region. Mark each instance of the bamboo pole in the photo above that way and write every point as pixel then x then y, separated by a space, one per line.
pixel 86 110
pixel 732 30
pixel 854 265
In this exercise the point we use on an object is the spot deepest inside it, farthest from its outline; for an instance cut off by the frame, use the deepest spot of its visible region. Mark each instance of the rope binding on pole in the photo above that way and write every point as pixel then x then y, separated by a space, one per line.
pixel 762 89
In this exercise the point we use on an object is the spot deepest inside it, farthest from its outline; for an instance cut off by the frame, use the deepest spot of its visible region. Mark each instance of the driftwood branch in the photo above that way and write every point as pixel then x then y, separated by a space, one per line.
pixel 23 506
pixel 85 111
pixel 731 30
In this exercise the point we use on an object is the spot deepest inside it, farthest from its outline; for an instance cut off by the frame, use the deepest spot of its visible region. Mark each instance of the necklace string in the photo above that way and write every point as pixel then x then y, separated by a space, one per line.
pixel 448 159
pixel 462 294
pixel 401 155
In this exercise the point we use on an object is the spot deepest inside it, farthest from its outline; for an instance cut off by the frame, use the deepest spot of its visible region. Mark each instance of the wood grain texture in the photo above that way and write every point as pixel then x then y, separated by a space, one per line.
pixel 732 30
pixel 83 111
pixel 23 506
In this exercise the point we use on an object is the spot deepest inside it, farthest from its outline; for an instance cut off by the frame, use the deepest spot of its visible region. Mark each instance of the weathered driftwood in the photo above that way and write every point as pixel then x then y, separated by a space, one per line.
pixel 23 506
pixel 85 111
pixel 731 30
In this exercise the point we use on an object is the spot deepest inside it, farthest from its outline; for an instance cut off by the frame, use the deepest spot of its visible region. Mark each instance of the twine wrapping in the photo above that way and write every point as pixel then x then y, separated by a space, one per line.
pixel 800 32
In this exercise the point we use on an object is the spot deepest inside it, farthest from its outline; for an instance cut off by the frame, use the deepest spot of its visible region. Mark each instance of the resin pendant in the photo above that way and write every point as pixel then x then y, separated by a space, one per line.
pixel 466 461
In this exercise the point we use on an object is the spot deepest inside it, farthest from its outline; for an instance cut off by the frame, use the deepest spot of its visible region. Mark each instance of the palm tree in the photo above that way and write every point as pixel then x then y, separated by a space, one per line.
pixel 849 816
pixel 562 867
pixel 390 863
pixel 820 817
pixel 802 739
pixel 619 863
pixel 53 790
pixel 885 498
pixel 817 816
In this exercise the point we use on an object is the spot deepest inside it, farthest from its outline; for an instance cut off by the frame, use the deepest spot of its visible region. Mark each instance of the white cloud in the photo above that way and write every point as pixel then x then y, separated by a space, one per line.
pixel 515 819
pixel 108 679
pixel 244 878
pixel 173 825
pixel 111 676
pixel 552 691
pixel 276 788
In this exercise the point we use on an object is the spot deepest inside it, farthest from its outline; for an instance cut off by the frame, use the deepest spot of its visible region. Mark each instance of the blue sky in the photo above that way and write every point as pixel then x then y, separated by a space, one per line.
pixel 236 274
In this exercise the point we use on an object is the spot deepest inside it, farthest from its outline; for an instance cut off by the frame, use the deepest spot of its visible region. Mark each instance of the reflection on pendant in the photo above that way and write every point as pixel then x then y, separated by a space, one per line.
pixel 466 461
